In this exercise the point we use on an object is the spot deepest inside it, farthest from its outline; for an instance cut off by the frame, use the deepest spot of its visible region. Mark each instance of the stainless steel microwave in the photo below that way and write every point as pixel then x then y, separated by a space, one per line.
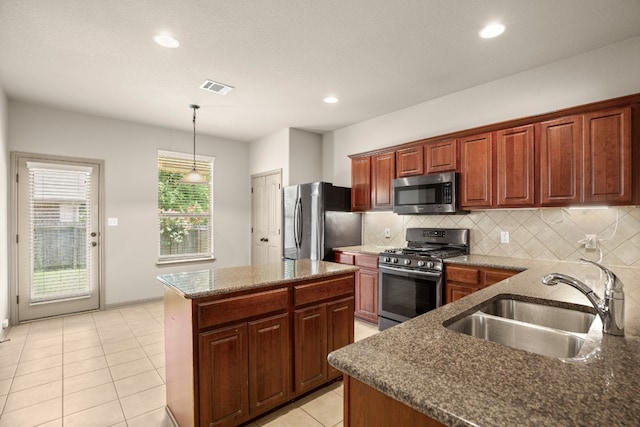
pixel 426 194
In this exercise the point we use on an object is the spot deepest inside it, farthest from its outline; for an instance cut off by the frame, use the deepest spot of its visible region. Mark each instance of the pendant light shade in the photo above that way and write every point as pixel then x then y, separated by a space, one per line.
pixel 194 177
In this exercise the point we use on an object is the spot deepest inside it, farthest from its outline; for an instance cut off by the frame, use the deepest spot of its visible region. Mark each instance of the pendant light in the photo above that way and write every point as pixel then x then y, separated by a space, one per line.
pixel 193 177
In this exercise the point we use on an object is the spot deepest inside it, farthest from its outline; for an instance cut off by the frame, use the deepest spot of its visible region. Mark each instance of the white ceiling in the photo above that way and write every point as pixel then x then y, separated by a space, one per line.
pixel 283 56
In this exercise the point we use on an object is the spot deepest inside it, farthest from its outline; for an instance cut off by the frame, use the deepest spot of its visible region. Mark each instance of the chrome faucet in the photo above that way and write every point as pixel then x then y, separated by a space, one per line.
pixel 610 308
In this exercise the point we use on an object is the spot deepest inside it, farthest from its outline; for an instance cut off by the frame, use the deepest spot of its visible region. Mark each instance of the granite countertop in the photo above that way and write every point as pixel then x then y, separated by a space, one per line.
pixel 204 283
pixel 364 249
pixel 460 380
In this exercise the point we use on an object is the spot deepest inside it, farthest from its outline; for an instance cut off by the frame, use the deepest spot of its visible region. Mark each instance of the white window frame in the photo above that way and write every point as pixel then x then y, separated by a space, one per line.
pixel 172 259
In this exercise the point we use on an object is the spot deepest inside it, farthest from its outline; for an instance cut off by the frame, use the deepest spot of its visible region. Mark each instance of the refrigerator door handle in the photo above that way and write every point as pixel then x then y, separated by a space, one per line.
pixel 297 223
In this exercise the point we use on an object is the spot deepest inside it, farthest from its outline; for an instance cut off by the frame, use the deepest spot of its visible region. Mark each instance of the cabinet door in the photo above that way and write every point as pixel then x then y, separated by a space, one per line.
pixel 269 363
pixel 476 173
pixel 223 376
pixel 310 349
pixel 607 156
pixel 383 171
pixel 560 157
pixel 367 295
pixel 339 329
pixel 455 291
pixel 441 156
pixel 515 167
pixel 361 184
pixel 493 276
pixel 409 161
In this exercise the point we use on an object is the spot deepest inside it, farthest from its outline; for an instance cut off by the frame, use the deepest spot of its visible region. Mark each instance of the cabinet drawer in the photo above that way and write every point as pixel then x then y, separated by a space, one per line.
pixel 305 294
pixel 343 258
pixel 242 307
pixel 491 277
pixel 462 275
pixel 368 261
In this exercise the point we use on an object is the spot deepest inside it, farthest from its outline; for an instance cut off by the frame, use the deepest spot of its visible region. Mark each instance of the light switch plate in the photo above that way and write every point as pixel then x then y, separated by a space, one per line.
pixel 112 222
pixel 504 237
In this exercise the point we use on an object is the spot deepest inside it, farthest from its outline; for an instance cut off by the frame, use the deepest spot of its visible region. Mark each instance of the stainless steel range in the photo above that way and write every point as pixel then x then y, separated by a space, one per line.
pixel 411 279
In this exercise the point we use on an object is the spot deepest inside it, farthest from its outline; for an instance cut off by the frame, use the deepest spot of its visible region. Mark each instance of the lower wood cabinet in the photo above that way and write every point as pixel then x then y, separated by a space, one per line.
pixel 366 291
pixel 463 280
pixel 230 359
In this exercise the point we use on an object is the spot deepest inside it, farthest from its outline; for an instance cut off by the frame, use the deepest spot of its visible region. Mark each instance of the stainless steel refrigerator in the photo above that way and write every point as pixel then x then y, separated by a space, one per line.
pixel 316 219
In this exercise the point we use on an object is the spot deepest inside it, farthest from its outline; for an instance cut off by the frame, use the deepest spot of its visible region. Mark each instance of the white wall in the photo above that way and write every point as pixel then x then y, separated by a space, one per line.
pixel 305 157
pixel 597 75
pixel 4 209
pixel 271 153
pixel 129 151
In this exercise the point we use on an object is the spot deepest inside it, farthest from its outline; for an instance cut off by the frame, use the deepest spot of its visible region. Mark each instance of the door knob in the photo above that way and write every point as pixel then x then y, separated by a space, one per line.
pixel 94 234
pixel 94 244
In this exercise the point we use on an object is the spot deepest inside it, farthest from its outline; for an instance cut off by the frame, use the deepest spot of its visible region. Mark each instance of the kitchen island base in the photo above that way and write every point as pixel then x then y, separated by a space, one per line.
pixel 235 355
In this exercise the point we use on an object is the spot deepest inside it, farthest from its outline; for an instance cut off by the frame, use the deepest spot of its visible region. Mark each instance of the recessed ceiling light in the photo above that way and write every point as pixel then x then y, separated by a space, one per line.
pixel 331 100
pixel 491 31
pixel 165 40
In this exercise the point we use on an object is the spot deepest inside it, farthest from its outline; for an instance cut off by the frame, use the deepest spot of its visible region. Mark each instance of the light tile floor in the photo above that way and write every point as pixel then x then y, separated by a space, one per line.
pixel 107 369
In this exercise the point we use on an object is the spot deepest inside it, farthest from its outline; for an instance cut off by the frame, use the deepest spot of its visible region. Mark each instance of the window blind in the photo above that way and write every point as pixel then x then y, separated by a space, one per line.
pixel 185 211
pixel 60 220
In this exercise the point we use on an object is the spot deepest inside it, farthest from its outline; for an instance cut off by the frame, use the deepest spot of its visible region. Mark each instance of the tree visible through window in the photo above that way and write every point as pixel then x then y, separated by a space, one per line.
pixel 185 211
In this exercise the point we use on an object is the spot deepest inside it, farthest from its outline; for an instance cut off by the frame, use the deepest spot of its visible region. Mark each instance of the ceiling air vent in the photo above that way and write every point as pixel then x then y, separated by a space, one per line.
pixel 216 87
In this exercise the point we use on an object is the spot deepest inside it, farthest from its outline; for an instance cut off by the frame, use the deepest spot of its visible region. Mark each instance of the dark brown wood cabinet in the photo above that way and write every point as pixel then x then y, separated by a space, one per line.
pixel 323 322
pixel 587 159
pixel 360 184
pixel 365 406
pixel 560 161
pixel 366 286
pixel 476 171
pixel 383 172
pixel 514 165
pixel 607 157
pixel 232 357
pixel 410 161
pixel 441 156
pixel 463 280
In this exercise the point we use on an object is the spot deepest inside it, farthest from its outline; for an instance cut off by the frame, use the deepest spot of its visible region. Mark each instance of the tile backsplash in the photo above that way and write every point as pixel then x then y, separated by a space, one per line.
pixel 550 233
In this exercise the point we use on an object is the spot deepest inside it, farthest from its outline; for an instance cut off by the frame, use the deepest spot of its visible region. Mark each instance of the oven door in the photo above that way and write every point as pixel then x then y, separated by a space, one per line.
pixel 405 293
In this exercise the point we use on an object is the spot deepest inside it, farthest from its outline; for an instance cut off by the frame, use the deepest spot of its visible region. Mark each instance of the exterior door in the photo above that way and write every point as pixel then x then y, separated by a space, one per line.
pixel 58 236
pixel 266 218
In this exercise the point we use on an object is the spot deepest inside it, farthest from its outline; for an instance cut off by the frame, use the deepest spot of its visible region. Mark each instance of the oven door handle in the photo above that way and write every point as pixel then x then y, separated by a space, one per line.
pixel 408 273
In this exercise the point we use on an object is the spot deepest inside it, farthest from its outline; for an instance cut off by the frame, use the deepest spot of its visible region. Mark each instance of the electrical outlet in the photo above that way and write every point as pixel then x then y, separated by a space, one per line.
pixel 591 242
pixel 504 237
pixel 387 233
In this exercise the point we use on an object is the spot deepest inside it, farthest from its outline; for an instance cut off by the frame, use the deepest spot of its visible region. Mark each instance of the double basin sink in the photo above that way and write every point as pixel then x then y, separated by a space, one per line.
pixel 534 327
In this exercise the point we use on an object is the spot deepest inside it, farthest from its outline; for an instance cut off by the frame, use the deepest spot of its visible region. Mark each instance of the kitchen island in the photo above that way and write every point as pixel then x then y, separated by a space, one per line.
pixel 241 341
pixel 430 375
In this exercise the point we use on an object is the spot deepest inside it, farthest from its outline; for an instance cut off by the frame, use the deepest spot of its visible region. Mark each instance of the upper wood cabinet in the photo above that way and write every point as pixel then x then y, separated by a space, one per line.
pixel 410 161
pixel 360 184
pixel 560 156
pixel 586 159
pixel 441 156
pixel 476 172
pixel 383 171
pixel 515 167
pixel 607 156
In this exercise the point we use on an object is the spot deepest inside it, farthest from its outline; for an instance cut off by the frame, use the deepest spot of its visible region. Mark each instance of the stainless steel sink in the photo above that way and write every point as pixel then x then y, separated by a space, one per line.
pixel 539 314
pixel 536 328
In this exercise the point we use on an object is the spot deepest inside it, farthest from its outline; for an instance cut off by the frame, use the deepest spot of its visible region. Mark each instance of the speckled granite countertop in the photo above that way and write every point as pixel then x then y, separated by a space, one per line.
pixel 204 283
pixel 364 249
pixel 460 380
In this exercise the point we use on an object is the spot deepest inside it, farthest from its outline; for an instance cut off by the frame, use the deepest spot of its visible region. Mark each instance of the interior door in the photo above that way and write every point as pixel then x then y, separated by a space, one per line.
pixel 58 236
pixel 266 217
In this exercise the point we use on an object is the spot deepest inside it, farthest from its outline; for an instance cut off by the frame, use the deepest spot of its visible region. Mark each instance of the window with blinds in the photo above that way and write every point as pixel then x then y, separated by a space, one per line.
pixel 60 220
pixel 185 211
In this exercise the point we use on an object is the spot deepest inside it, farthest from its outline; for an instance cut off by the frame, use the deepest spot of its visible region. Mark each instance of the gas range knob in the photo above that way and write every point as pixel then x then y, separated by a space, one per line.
pixel 430 264
pixel 407 261
pixel 387 259
pixel 420 263
pixel 394 260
